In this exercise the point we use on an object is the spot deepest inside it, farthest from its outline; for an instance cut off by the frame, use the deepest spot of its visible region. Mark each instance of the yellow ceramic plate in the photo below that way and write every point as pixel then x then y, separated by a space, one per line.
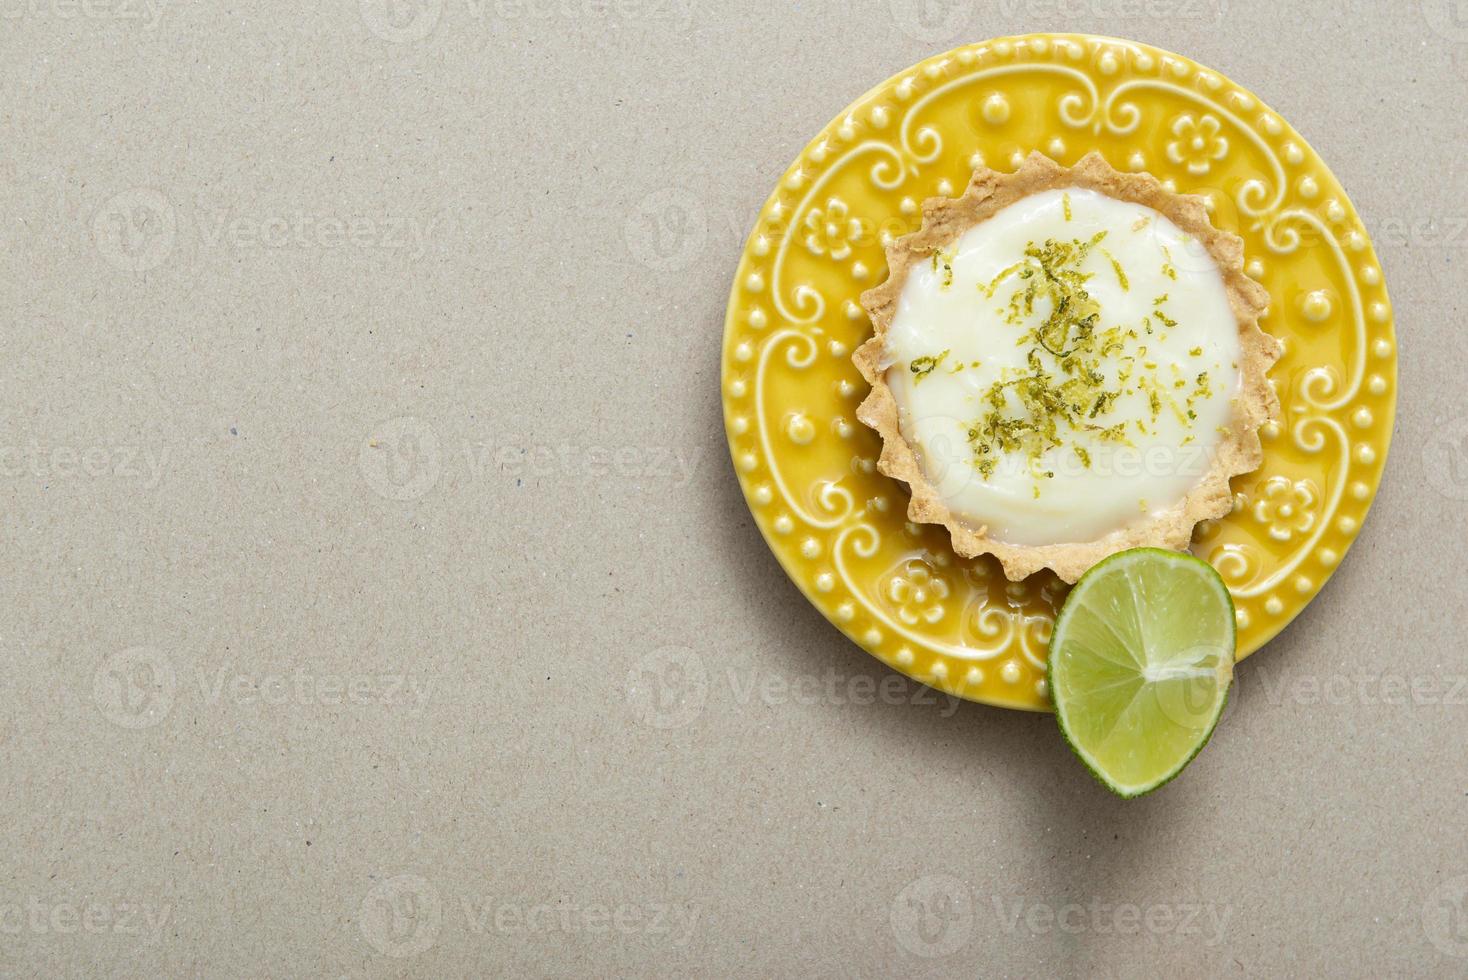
pixel 808 467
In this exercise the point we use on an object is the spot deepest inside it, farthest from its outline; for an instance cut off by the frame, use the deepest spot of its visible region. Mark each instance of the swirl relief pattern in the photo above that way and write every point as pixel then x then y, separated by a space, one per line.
pixel 808 467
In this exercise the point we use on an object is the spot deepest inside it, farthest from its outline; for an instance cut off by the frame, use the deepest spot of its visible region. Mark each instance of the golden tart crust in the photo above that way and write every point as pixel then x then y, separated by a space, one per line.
pixel 1238 451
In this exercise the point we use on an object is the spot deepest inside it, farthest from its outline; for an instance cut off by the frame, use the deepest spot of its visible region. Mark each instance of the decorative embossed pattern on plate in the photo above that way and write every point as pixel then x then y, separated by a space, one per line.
pixel 808 467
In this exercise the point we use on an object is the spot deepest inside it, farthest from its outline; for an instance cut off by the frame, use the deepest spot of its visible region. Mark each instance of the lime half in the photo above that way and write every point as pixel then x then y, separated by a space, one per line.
pixel 1140 665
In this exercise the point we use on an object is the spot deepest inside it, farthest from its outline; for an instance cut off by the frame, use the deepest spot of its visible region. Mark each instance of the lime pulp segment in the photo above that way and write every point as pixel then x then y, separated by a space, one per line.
pixel 1141 661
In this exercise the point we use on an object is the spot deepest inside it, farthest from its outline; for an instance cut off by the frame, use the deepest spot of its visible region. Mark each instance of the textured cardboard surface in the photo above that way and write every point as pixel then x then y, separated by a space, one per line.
pixel 377 599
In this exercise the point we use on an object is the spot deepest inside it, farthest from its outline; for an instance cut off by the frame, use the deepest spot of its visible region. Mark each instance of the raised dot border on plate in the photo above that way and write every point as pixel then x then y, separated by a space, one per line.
pixel 807 466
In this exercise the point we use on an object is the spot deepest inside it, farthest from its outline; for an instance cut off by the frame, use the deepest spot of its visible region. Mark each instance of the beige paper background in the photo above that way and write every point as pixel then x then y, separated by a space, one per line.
pixel 378 598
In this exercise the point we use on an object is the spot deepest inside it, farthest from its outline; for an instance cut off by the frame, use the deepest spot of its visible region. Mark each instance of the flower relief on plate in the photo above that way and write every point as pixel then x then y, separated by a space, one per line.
pixel 904 589
pixel 1066 363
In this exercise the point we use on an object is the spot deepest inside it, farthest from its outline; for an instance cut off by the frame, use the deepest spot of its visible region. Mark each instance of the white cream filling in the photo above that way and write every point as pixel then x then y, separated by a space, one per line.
pixel 1109 483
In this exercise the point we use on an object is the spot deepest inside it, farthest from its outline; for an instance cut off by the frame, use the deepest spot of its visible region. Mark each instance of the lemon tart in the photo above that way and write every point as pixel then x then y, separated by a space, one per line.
pixel 1066 363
